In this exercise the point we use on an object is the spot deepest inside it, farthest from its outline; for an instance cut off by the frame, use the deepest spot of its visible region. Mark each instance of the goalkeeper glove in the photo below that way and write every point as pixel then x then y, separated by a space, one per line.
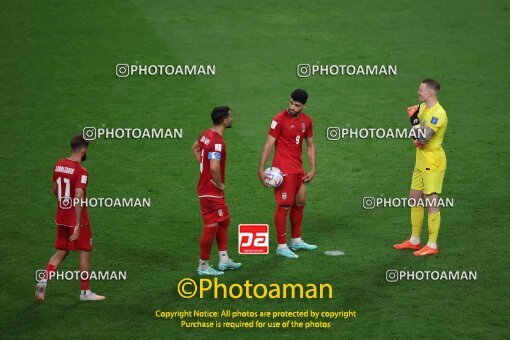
pixel 412 112
pixel 417 143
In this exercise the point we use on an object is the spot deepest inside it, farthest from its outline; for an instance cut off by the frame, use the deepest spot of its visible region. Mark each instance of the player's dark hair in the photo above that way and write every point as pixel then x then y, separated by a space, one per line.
pixel 299 95
pixel 78 142
pixel 431 83
pixel 218 114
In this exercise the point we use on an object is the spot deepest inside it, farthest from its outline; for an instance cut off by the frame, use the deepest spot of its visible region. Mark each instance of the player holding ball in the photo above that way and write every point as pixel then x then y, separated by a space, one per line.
pixel 288 130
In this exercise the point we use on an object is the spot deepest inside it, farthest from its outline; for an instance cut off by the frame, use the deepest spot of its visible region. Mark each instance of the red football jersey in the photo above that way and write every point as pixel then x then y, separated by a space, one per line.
pixel 212 146
pixel 69 176
pixel 289 132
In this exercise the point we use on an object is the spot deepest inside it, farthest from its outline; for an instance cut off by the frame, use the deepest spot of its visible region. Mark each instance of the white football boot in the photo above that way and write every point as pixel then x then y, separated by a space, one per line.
pixel 91 296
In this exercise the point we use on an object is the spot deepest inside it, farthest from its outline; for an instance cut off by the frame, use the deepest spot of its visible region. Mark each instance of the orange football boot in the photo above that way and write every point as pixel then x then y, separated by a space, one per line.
pixel 426 251
pixel 407 245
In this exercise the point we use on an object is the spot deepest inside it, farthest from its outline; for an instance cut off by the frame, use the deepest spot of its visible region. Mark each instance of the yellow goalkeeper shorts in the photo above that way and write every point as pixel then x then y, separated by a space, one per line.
pixel 428 182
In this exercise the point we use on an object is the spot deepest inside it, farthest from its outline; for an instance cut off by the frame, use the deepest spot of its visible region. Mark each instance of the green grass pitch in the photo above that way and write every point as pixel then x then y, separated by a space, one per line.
pixel 58 75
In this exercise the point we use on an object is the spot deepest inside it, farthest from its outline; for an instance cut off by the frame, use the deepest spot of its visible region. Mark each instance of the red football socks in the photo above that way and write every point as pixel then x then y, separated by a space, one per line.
pixel 296 216
pixel 222 236
pixel 280 221
pixel 84 284
pixel 206 242
pixel 49 269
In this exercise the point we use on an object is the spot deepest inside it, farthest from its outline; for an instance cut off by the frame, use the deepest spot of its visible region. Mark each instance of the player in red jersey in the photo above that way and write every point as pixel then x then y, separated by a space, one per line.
pixel 73 226
pixel 286 134
pixel 209 150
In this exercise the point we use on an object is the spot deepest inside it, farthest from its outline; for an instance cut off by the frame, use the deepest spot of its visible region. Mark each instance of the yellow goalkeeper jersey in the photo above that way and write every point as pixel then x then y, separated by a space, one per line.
pixel 431 156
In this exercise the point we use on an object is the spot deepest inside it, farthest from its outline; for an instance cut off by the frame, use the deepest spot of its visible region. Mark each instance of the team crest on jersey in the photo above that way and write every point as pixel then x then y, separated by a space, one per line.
pixel 220 212
pixel 303 127
pixel 434 120
pixel 284 195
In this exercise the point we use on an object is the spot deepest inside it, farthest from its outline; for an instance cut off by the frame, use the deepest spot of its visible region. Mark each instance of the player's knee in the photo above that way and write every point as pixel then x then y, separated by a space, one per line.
pixel 416 194
pixel 431 202
pixel 432 210
pixel 61 254
pixel 414 197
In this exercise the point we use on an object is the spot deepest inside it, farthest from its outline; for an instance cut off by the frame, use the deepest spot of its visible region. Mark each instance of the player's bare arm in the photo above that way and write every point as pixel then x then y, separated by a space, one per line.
pixel 427 134
pixel 79 196
pixel 310 151
pixel 216 174
pixel 266 151
pixel 196 150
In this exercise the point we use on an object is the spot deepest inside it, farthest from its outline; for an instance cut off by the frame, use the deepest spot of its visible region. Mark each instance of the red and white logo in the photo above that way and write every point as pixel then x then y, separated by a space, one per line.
pixel 253 239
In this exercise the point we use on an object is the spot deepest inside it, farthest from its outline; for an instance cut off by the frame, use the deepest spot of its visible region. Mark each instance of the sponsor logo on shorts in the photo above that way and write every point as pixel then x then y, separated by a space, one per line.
pixel 220 212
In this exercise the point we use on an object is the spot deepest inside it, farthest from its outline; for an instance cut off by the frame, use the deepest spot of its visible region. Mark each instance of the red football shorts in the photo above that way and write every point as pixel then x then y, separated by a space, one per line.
pixel 214 210
pixel 83 242
pixel 286 192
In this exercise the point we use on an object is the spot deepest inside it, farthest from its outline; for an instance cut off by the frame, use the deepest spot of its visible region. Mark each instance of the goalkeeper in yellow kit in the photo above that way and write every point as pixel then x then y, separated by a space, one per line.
pixel 428 174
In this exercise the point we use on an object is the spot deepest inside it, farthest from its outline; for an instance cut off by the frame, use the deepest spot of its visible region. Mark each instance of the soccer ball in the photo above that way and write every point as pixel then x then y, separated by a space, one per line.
pixel 276 177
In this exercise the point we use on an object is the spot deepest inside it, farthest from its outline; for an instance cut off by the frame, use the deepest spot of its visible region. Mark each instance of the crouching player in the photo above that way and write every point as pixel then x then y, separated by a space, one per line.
pixel 73 226
pixel 209 150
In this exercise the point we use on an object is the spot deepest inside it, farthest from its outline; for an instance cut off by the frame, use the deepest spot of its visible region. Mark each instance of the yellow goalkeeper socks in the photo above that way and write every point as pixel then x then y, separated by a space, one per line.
pixel 434 222
pixel 417 214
